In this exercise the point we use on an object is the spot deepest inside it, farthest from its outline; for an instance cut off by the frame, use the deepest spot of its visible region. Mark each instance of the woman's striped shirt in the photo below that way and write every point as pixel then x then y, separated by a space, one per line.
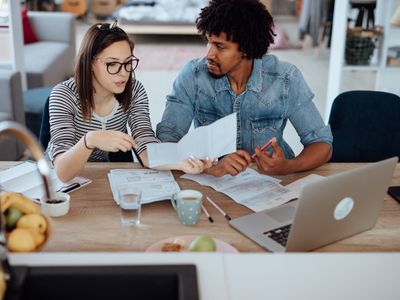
pixel 67 125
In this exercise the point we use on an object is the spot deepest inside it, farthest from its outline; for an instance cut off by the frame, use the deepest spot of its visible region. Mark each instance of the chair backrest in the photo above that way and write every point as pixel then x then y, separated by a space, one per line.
pixel 44 135
pixel 11 109
pixel 44 138
pixel 365 126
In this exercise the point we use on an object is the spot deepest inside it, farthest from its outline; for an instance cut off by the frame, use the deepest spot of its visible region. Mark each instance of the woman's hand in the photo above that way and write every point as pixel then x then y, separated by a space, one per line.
pixel 109 140
pixel 193 165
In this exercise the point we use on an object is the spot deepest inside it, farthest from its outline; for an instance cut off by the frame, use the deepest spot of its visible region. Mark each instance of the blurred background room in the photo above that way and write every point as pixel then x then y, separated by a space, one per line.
pixel 338 45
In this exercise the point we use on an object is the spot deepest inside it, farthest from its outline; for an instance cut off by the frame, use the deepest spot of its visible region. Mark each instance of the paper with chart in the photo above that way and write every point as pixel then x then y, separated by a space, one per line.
pixel 25 178
pixel 214 140
pixel 249 188
pixel 155 185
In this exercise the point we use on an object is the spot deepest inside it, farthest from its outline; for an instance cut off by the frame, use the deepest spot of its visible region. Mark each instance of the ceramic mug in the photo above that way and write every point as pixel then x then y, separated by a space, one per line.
pixel 187 204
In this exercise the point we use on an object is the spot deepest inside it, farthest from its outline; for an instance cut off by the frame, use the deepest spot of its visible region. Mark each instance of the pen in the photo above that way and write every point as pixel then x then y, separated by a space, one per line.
pixel 219 208
pixel 207 213
pixel 138 157
pixel 69 188
pixel 266 145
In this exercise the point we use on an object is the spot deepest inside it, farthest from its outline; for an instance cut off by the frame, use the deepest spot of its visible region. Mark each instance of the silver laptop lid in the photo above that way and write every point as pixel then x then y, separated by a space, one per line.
pixel 340 205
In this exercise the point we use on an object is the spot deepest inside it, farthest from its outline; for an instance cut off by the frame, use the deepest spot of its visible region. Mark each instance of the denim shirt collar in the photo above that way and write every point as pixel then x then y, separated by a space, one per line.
pixel 254 83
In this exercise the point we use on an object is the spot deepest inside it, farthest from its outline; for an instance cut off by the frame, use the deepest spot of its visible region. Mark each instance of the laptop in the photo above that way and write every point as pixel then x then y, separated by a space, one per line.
pixel 327 210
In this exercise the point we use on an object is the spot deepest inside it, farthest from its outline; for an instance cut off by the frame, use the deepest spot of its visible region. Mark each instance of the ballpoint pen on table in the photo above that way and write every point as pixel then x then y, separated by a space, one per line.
pixel 218 208
pixel 266 145
pixel 70 187
pixel 137 156
pixel 207 213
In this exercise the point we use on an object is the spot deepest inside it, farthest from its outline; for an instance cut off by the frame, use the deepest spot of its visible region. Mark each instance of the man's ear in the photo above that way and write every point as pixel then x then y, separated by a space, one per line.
pixel 244 55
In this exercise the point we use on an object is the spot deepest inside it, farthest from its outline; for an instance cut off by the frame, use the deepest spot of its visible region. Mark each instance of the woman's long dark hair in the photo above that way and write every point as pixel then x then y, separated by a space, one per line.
pixel 97 38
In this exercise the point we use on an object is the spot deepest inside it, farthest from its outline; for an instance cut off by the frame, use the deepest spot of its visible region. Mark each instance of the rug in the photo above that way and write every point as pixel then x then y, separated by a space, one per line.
pixel 171 57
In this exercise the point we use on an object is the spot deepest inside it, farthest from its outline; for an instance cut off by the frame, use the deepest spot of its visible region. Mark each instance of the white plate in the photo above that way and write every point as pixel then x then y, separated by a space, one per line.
pixel 221 245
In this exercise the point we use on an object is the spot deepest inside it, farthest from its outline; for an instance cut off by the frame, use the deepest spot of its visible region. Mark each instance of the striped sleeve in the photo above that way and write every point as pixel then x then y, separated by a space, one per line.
pixel 139 118
pixel 62 127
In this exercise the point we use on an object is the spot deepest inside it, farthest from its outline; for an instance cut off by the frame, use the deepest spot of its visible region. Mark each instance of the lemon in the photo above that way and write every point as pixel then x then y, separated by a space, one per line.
pixel 37 237
pixel 33 221
pixel 21 240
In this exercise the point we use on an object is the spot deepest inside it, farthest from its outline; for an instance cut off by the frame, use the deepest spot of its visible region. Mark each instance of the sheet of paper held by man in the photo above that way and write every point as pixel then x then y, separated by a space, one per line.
pixel 214 140
pixel 249 188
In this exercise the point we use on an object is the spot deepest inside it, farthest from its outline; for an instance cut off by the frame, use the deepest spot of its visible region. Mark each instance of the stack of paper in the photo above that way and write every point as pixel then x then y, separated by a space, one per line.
pixel 249 188
pixel 26 179
pixel 155 185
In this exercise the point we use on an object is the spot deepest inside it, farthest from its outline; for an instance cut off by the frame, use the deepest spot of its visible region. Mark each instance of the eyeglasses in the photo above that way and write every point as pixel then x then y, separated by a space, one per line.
pixel 115 67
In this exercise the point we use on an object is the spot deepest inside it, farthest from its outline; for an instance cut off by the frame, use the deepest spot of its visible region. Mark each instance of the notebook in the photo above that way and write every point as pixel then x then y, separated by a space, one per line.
pixel 25 178
pixel 329 209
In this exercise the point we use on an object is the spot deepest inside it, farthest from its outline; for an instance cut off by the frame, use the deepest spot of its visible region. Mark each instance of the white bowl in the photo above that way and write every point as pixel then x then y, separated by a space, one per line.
pixel 57 209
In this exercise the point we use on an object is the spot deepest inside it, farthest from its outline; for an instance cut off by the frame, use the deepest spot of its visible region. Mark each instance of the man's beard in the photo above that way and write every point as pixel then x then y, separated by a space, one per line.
pixel 215 76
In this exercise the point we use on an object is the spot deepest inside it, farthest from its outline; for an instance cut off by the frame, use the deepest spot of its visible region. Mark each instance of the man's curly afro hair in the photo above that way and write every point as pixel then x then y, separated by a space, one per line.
pixel 246 22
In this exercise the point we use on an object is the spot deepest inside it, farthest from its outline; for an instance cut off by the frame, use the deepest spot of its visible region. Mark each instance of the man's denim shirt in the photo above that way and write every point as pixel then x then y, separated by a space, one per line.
pixel 275 93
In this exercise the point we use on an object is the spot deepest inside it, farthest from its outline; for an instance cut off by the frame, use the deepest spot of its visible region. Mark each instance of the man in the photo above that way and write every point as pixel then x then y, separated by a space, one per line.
pixel 238 76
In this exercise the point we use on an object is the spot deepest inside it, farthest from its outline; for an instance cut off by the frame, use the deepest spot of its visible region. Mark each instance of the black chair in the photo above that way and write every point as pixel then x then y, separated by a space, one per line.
pixel 34 102
pixel 44 133
pixel 365 126
pixel 44 138
pixel 365 10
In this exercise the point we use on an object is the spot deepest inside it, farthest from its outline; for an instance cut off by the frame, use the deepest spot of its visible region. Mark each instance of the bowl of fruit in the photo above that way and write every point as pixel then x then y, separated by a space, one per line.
pixel 27 229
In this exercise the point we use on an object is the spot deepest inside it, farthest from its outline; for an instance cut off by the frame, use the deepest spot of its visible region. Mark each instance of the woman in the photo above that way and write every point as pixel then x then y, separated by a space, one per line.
pixel 90 113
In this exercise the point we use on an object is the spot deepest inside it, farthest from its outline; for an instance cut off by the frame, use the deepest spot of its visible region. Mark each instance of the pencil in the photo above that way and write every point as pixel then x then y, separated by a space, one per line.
pixel 266 145
pixel 218 208
pixel 137 156
pixel 207 213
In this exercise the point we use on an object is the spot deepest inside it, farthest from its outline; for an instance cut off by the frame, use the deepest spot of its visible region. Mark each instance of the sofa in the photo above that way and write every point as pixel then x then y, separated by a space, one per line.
pixel 51 59
pixel 11 109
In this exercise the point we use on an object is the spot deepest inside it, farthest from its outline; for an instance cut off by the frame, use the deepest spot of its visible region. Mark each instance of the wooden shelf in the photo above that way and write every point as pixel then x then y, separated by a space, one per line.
pixel 337 64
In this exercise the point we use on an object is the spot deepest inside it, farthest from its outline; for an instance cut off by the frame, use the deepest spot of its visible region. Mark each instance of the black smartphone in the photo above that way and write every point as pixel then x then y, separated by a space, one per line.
pixel 394 191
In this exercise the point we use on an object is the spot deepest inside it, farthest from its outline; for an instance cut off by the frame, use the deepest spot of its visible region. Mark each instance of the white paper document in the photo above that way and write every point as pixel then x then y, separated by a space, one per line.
pixel 297 185
pixel 155 185
pixel 25 178
pixel 249 188
pixel 214 140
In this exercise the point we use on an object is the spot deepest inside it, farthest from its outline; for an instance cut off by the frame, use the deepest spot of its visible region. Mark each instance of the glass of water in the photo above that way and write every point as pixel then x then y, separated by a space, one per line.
pixel 130 204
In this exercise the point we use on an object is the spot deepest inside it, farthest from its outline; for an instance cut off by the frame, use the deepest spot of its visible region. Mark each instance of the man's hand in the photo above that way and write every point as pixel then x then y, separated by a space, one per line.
pixel 272 163
pixel 312 156
pixel 232 164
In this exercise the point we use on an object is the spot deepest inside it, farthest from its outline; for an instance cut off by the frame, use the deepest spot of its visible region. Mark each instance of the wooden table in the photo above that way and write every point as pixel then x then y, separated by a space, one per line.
pixel 93 223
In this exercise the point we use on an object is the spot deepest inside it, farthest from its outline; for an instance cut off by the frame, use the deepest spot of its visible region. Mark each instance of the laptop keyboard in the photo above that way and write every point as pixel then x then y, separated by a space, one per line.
pixel 279 235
